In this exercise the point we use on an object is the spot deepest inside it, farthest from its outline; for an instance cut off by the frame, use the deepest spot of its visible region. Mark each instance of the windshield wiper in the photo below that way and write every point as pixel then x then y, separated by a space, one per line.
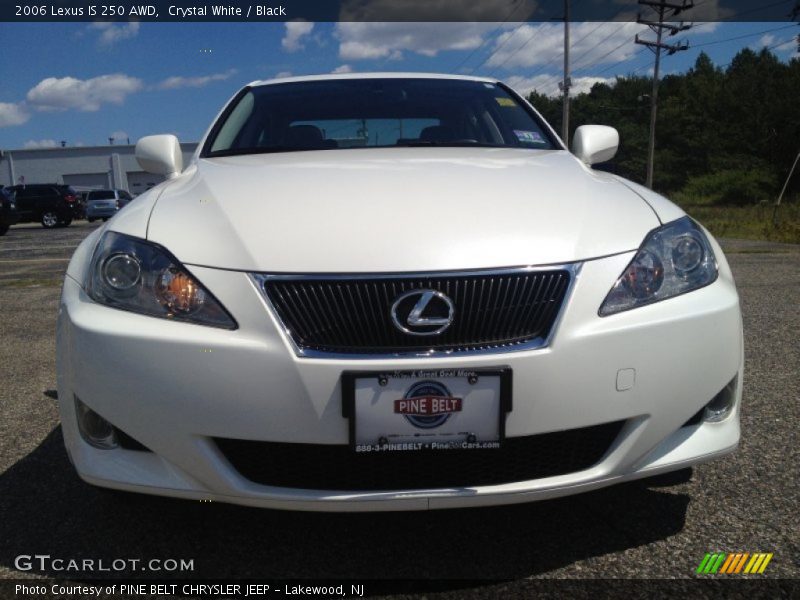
pixel 455 144
pixel 257 150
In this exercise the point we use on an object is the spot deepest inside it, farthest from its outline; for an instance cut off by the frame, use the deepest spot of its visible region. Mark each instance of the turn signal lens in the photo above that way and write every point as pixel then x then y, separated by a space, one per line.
pixel 179 292
pixel 645 275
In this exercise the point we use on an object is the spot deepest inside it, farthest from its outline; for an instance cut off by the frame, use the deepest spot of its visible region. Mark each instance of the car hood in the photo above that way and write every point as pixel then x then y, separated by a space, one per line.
pixel 396 210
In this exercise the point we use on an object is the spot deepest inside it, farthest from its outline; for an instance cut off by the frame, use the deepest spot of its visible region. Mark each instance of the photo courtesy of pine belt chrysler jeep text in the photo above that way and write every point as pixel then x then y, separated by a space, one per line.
pixel 393 292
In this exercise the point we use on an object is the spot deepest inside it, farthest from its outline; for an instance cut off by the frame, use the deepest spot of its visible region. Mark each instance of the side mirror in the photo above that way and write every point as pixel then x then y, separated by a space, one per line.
pixel 160 154
pixel 595 144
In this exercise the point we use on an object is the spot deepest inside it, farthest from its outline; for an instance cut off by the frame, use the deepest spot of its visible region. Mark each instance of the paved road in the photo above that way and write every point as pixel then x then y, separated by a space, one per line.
pixel 748 502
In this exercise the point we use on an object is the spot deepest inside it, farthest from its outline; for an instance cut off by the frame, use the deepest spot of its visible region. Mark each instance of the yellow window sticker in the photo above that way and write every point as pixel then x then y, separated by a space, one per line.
pixel 506 102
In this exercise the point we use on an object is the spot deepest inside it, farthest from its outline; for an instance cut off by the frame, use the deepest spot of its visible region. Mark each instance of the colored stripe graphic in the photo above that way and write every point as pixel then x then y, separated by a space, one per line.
pixel 729 564
pixel 711 562
pixel 730 561
pixel 758 563
pixel 703 563
pixel 741 562
pixel 718 562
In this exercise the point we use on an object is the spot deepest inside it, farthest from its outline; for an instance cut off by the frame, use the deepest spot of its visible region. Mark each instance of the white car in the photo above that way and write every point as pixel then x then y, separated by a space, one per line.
pixel 394 292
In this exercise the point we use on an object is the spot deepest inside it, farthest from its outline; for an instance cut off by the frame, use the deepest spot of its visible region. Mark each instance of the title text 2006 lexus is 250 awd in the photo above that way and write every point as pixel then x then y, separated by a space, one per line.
pixel 393 292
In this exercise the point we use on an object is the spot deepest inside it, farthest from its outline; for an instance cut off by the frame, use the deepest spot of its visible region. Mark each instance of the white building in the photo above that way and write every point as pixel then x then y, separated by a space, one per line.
pixel 95 167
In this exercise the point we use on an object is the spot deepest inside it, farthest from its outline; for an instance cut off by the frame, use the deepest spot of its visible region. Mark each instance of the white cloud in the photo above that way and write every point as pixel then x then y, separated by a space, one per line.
pixel 295 32
pixel 543 44
pixel 178 82
pixel 82 94
pixel 699 28
pixel 283 74
pixel 363 41
pixel 583 85
pixel 34 144
pixel 766 40
pixel 343 69
pixel 120 136
pixel 110 33
pixel 548 84
pixel 12 114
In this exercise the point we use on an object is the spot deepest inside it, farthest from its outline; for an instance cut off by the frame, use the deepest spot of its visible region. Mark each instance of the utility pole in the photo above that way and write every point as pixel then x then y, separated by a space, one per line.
pixel 664 9
pixel 785 185
pixel 565 85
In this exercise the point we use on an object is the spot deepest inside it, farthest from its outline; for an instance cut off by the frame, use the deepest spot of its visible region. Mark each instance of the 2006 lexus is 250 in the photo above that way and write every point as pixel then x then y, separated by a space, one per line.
pixel 394 292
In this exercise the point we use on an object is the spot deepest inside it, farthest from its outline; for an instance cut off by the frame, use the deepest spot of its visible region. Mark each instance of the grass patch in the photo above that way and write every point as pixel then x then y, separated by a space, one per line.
pixel 26 283
pixel 750 222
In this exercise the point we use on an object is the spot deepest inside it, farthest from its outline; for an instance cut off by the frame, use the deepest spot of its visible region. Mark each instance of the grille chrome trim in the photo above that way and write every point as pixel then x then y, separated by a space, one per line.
pixel 259 281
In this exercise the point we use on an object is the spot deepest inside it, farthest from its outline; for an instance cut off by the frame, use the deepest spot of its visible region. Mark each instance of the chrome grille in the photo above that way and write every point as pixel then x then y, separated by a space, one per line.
pixel 351 314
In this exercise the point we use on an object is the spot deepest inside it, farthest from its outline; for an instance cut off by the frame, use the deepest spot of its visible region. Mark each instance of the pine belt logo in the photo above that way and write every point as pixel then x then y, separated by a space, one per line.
pixel 427 405
pixel 732 563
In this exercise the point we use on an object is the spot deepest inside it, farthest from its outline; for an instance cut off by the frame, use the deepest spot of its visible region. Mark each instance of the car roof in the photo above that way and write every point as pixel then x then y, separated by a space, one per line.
pixel 337 76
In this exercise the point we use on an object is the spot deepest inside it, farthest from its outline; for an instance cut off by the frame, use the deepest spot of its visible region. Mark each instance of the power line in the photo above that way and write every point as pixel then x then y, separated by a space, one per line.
pixel 739 37
pixel 663 9
pixel 517 51
pixel 488 37
pixel 533 32
pixel 555 78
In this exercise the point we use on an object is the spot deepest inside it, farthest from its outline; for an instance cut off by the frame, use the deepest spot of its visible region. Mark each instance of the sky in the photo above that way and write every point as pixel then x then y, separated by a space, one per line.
pixel 84 83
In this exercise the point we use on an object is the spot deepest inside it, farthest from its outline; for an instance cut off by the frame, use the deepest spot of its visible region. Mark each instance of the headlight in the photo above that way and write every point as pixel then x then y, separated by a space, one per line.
pixel 133 274
pixel 673 259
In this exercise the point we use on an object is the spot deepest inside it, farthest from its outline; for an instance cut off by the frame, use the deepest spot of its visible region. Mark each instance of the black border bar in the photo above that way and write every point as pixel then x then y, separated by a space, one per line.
pixel 497 11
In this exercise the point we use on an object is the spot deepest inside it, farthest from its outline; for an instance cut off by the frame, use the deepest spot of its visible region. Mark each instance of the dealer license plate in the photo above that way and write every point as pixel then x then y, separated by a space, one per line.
pixel 441 409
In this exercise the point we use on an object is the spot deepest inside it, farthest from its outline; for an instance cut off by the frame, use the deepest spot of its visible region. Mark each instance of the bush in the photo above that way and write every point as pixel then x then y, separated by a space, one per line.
pixel 728 187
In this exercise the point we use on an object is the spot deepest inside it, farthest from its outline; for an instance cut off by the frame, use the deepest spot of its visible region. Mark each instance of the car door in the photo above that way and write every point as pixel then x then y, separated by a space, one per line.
pixel 50 199
pixel 25 199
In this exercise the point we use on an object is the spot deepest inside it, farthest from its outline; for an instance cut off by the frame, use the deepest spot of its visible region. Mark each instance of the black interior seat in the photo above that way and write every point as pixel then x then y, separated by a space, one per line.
pixel 437 133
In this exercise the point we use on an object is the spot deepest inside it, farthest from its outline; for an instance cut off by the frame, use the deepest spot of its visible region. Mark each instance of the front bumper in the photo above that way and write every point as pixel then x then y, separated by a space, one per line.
pixel 176 387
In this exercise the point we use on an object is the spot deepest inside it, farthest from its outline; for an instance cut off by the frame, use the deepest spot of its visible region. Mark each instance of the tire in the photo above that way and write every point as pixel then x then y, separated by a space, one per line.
pixel 50 219
pixel 90 219
pixel 3 229
pixel 66 222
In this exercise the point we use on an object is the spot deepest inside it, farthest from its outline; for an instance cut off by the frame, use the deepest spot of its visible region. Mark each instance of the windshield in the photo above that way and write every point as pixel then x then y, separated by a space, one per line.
pixel 375 113
pixel 102 195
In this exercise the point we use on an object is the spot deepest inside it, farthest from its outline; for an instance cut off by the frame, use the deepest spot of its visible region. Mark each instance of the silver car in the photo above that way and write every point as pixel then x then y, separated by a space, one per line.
pixel 104 204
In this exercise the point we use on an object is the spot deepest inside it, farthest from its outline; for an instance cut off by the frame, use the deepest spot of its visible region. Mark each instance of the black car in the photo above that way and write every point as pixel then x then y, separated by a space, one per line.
pixel 8 211
pixel 52 205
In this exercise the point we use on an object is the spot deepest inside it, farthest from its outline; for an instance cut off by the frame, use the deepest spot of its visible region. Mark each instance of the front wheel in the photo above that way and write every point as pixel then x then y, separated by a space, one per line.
pixel 66 222
pixel 3 229
pixel 50 219
pixel 90 219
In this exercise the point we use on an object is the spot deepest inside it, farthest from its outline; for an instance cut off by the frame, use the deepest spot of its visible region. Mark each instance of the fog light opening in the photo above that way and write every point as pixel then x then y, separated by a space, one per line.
pixel 721 404
pixel 95 430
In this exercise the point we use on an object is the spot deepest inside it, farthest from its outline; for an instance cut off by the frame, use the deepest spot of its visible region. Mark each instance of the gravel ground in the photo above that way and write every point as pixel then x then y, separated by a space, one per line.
pixel 747 502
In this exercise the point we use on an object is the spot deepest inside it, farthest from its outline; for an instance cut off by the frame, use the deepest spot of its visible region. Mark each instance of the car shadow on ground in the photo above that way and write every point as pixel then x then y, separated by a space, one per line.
pixel 46 509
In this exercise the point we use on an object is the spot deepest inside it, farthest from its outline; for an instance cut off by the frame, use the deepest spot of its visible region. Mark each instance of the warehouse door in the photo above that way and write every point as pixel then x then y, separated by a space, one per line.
pixel 139 181
pixel 95 181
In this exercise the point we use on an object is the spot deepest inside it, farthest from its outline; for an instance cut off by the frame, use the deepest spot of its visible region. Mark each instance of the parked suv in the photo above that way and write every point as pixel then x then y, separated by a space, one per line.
pixel 53 205
pixel 103 204
pixel 8 211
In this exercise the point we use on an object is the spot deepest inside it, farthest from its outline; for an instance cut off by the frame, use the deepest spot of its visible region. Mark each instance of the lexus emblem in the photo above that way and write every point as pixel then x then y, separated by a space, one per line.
pixel 422 312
